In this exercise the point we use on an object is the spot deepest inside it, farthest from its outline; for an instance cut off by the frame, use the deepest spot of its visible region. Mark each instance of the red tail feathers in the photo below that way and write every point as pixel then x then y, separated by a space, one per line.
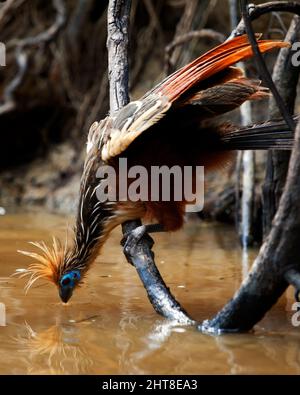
pixel 212 62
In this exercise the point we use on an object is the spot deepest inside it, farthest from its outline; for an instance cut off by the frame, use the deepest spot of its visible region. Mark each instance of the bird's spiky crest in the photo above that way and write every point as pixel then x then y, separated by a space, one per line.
pixel 49 263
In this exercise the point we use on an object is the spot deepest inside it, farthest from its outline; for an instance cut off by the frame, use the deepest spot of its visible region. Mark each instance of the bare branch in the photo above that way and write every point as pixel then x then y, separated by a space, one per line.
pixel 286 78
pixel 117 45
pixel 146 40
pixel 255 11
pixel 279 254
pixel 245 166
pixel 153 16
pixel 278 261
pixel 8 6
pixel 22 57
pixel 184 25
pixel 9 103
pixel 280 21
pixel 264 72
pixel 193 18
pixel 183 38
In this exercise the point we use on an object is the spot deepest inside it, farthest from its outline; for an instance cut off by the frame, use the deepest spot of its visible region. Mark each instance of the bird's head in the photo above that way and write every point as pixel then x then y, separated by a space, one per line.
pixel 67 284
pixel 57 265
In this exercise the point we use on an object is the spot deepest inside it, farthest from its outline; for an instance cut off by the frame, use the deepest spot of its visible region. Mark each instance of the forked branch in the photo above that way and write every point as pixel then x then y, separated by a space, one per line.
pixel 277 264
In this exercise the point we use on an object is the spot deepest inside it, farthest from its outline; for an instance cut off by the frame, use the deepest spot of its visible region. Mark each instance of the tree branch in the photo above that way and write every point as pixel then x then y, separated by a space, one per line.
pixel 117 45
pixel 256 11
pixel 280 253
pixel 22 57
pixel 263 70
pixel 277 264
pixel 286 78
pixel 245 166
pixel 183 38
pixel 194 17
pixel 143 260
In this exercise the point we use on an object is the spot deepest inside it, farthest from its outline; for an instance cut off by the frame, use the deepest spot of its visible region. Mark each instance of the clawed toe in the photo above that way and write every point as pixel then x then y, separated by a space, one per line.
pixel 131 240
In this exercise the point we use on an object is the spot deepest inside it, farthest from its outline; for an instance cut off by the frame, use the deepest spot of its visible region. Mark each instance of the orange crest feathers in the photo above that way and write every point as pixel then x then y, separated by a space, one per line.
pixel 48 264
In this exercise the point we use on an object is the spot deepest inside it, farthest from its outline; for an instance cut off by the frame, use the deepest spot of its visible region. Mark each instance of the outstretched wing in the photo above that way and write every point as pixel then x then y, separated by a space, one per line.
pixel 123 127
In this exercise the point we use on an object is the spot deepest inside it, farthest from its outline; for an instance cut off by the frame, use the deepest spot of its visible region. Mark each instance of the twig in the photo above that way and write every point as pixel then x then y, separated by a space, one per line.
pixel 233 12
pixel 245 165
pixel 98 102
pixel 77 20
pixel 184 25
pixel 22 57
pixel 264 72
pixel 9 103
pixel 146 40
pixel 280 21
pixel 7 6
pixel 234 18
pixel 51 32
pixel 183 38
pixel 256 11
pixel 193 18
pixel 153 16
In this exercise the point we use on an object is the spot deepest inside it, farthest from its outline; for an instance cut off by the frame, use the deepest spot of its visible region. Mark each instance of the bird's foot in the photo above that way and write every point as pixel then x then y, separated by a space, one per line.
pixel 131 240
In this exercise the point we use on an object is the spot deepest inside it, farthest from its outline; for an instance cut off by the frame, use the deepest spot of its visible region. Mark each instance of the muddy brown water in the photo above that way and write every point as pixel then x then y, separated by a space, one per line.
pixel 110 327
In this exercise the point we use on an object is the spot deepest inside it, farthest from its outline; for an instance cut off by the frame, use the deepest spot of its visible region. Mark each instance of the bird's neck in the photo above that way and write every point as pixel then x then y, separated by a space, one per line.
pixel 94 218
pixel 91 230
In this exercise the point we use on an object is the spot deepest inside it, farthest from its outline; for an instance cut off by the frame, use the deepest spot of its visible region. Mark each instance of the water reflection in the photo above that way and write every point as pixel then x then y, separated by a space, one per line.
pixel 246 263
pixel 151 342
pixel 274 353
pixel 58 349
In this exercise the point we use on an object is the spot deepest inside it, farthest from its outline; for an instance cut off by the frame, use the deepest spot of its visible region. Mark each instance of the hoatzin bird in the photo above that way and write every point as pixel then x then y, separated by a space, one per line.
pixel 173 124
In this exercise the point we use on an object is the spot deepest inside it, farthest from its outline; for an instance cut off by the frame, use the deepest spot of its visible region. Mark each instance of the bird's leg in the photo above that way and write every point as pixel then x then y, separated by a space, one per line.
pixel 132 238
pixel 137 249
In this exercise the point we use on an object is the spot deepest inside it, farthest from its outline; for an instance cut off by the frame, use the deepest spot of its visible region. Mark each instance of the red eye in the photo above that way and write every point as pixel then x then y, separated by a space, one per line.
pixel 66 281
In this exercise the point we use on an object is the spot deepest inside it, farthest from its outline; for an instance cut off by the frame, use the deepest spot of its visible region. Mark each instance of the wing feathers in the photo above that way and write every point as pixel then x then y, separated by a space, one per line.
pixel 148 113
pixel 122 128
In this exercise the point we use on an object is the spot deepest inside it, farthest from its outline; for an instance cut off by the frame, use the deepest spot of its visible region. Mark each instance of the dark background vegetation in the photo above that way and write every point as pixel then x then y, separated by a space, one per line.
pixel 64 88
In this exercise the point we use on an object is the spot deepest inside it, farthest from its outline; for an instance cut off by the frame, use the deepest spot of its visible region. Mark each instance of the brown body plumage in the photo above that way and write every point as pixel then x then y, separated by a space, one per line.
pixel 171 125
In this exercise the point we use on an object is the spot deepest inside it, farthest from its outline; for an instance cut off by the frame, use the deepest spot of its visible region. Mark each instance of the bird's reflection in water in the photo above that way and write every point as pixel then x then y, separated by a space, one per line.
pixel 58 349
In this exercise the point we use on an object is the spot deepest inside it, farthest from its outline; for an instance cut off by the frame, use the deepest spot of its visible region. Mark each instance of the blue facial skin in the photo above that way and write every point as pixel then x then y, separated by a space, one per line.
pixel 67 283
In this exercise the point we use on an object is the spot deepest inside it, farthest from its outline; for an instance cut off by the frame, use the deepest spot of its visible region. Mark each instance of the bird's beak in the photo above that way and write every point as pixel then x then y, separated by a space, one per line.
pixel 65 294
